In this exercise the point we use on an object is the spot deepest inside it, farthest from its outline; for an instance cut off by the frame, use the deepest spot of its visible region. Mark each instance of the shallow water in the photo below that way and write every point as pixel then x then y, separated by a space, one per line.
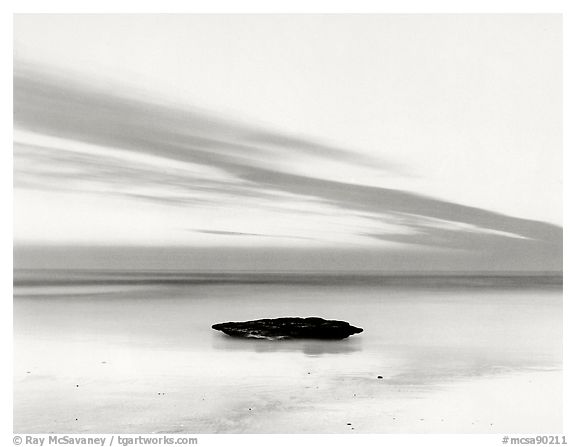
pixel 135 352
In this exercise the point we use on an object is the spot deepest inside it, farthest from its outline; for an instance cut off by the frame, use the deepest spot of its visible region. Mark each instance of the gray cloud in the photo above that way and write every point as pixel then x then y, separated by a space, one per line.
pixel 57 107
pixel 45 168
pixel 239 233
pixel 60 107
pixel 385 201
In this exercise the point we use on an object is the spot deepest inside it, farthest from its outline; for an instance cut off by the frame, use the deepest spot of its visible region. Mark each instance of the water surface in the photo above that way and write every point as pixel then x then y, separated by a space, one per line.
pixel 134 352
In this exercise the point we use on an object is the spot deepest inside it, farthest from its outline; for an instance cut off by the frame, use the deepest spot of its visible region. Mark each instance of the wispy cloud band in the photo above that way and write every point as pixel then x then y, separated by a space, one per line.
pixel 250 161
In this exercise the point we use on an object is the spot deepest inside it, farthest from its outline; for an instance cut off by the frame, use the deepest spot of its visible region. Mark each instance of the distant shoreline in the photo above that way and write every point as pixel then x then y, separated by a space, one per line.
pixel 472 273
pixel 84 277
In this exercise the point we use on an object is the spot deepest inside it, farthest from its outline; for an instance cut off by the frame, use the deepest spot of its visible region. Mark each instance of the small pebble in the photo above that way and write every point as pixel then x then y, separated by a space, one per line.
pixel 380 377
pixel 348 423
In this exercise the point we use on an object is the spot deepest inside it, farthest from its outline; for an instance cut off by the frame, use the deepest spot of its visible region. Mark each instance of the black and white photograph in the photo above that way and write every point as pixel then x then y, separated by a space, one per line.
pixel 288 224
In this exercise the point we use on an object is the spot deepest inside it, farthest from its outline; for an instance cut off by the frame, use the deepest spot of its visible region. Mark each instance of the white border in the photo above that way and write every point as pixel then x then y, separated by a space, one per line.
pixel 296 6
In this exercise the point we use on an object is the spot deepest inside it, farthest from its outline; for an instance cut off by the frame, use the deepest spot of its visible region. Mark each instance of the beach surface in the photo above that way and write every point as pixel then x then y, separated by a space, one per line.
pixel 134 352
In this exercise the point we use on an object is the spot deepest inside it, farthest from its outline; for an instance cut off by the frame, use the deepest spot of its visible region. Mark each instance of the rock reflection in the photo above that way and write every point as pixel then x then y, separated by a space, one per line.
pixel 306 346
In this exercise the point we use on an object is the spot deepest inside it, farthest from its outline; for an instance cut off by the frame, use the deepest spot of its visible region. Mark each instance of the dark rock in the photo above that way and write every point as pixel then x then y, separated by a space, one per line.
pixel 289 327
pixel 380 377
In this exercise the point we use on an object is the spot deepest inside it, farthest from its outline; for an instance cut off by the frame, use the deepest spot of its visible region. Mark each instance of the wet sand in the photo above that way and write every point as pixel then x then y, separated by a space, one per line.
pixel 140 358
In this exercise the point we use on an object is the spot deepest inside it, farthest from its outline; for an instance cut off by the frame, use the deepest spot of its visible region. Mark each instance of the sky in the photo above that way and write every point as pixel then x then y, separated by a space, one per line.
pixel 288 142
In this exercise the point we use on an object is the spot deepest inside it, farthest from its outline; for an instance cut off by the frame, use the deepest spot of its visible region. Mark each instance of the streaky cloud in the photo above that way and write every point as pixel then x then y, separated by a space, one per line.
pixel 385 201
pixel 243 234
pixel 54 106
